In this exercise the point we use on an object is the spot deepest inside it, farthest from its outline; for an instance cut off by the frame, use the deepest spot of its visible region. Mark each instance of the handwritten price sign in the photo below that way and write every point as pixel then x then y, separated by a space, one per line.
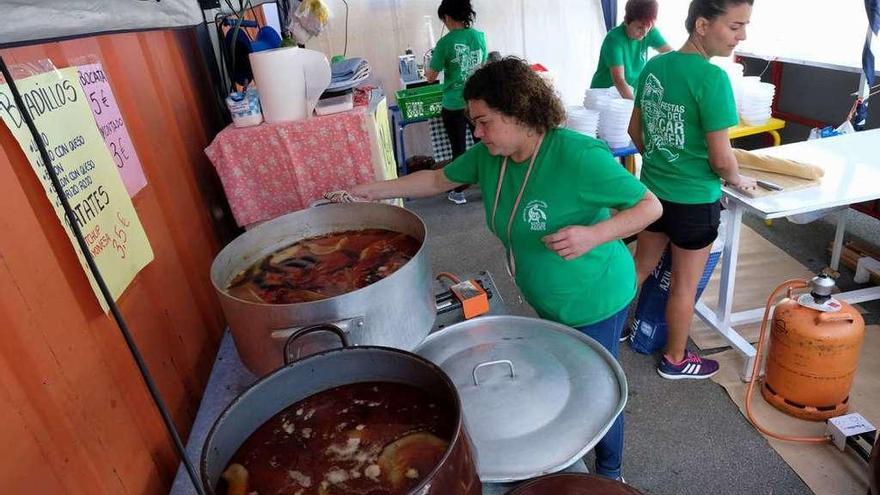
pixel 106 112
pixel 121 237
pixel 87 169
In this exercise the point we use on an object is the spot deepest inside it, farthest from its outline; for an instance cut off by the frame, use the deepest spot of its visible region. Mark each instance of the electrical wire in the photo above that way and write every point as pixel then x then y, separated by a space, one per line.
pixel 283 16
pixel 450 276
pixel 215 70
pixel 765 68
pixel 223 48
pixel 345 48
pixel 102 285
pixel 244 7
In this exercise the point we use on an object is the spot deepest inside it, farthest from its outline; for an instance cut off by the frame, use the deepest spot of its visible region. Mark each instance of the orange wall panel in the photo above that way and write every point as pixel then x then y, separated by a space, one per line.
pixel 72 403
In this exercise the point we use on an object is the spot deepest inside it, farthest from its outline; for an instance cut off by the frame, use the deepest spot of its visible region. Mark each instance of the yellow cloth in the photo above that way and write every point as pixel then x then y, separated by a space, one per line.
pixel 775 165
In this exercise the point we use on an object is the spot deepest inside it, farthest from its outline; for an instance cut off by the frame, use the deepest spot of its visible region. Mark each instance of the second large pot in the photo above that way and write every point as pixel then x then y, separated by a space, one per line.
pixel 574 484
pixel 397 311
pixel 455 473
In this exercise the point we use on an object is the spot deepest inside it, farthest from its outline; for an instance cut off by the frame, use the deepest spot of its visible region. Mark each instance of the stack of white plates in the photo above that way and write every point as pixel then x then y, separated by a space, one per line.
pixel 598 98
pixel 735 74
pixel 582 120
pixel 745 83
pixel 614 123
pixel 756 103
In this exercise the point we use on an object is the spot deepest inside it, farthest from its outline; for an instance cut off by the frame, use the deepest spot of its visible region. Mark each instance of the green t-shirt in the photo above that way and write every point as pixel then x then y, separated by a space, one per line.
pixel 682 96
pixel 620 49
pixel 458 54
pixel 575 181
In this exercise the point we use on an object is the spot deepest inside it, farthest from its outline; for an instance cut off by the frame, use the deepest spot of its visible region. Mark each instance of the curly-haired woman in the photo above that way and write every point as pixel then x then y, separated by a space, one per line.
pixel 559 203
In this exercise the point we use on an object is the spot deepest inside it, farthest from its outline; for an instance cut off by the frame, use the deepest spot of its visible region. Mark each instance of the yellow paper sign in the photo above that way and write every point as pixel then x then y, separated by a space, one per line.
pixel 383 132
pixel 103 209
pixel 386 150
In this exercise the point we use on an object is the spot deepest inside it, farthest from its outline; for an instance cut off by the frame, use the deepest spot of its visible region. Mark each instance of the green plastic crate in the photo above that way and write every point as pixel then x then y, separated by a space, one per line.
pixel 420 103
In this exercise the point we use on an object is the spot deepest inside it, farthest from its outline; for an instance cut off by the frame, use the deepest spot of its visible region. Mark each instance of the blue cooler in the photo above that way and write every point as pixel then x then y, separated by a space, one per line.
pixel 649 330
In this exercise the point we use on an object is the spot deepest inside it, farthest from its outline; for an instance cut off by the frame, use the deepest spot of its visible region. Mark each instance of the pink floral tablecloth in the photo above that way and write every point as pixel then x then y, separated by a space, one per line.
pixel 272 169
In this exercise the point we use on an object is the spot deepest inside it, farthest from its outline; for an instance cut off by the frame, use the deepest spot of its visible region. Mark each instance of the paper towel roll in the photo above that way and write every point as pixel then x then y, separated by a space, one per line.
pixel 290 81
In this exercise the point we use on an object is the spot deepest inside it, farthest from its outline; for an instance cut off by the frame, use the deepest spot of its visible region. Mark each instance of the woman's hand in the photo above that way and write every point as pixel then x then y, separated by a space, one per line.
pixel 361 191
pixel 572 241
pixel 419 184
pixel 343 196
pixel 746 184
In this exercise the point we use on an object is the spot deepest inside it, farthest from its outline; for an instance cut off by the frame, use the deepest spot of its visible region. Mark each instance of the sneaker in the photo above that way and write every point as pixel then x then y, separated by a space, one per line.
pixel 691 367
pixel 456 197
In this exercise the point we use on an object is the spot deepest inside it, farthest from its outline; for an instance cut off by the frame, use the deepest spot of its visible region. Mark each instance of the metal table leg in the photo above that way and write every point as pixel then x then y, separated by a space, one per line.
pixel 842 217
pixel 399 149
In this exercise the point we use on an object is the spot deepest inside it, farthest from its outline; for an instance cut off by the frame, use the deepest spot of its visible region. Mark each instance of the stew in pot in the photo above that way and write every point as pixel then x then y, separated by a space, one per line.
pixel 324 266
pixel 372 438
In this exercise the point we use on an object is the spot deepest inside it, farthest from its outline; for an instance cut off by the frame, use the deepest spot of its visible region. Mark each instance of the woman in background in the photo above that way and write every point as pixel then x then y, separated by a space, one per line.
pixel 625 48
pixel 457 54
pixel 683 110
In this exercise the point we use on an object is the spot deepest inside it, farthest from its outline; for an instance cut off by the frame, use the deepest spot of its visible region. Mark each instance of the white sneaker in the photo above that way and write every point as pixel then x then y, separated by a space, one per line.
pixel 456 197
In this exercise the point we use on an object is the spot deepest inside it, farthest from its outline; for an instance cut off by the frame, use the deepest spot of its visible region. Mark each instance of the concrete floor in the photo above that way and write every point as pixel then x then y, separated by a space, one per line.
pixel 681 438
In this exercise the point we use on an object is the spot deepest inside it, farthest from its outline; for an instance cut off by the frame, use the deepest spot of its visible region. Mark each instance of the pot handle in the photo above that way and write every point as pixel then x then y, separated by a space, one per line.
pixel 493 363
pixel 322 327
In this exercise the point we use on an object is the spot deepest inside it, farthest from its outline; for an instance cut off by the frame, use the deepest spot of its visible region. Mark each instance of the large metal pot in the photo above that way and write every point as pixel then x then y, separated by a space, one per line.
pixel 456 472
pixel 573 484
pixel 397 311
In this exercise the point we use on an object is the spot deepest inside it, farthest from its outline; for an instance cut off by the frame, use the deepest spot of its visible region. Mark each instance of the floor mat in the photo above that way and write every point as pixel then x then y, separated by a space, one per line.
pixel 824 468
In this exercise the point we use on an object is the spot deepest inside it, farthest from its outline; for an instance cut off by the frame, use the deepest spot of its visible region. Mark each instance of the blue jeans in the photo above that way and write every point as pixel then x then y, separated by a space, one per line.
pixel 609 450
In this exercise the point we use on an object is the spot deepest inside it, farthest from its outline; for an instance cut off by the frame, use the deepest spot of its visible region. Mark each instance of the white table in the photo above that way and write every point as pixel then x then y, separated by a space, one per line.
pixel 852 175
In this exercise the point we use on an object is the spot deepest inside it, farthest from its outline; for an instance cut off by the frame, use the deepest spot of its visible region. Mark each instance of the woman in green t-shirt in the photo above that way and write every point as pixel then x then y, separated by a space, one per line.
pixel 625 48
pixel 558 201
pixel 683 109
pixel 457 54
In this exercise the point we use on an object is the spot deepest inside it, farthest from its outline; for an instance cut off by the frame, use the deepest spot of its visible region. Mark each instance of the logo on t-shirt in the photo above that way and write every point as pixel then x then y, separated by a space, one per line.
pixel 469 60
pixel 664 122
pixel 535 215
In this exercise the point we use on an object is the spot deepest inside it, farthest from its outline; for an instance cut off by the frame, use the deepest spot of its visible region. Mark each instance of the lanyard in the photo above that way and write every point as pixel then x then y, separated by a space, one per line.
pixel 511 260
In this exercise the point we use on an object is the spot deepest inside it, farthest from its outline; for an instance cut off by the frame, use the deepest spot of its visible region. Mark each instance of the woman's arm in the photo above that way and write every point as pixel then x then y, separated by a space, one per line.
pixel 723 162
pixel 575 240
pixel 415 185
pixel 635 129
pixel 619 78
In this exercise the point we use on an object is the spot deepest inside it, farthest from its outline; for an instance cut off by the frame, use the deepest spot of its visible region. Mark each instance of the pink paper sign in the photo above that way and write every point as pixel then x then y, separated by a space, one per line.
pixel 106 111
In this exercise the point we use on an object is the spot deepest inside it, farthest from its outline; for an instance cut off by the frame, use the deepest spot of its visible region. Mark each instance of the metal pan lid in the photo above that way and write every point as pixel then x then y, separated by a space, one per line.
pixel 537 395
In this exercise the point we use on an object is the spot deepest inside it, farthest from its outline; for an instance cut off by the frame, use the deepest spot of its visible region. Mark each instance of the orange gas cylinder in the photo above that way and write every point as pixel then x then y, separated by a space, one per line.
pixel 813 357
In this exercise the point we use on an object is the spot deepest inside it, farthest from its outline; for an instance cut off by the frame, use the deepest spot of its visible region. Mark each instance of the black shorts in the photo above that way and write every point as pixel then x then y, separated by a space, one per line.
pixel 688 226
